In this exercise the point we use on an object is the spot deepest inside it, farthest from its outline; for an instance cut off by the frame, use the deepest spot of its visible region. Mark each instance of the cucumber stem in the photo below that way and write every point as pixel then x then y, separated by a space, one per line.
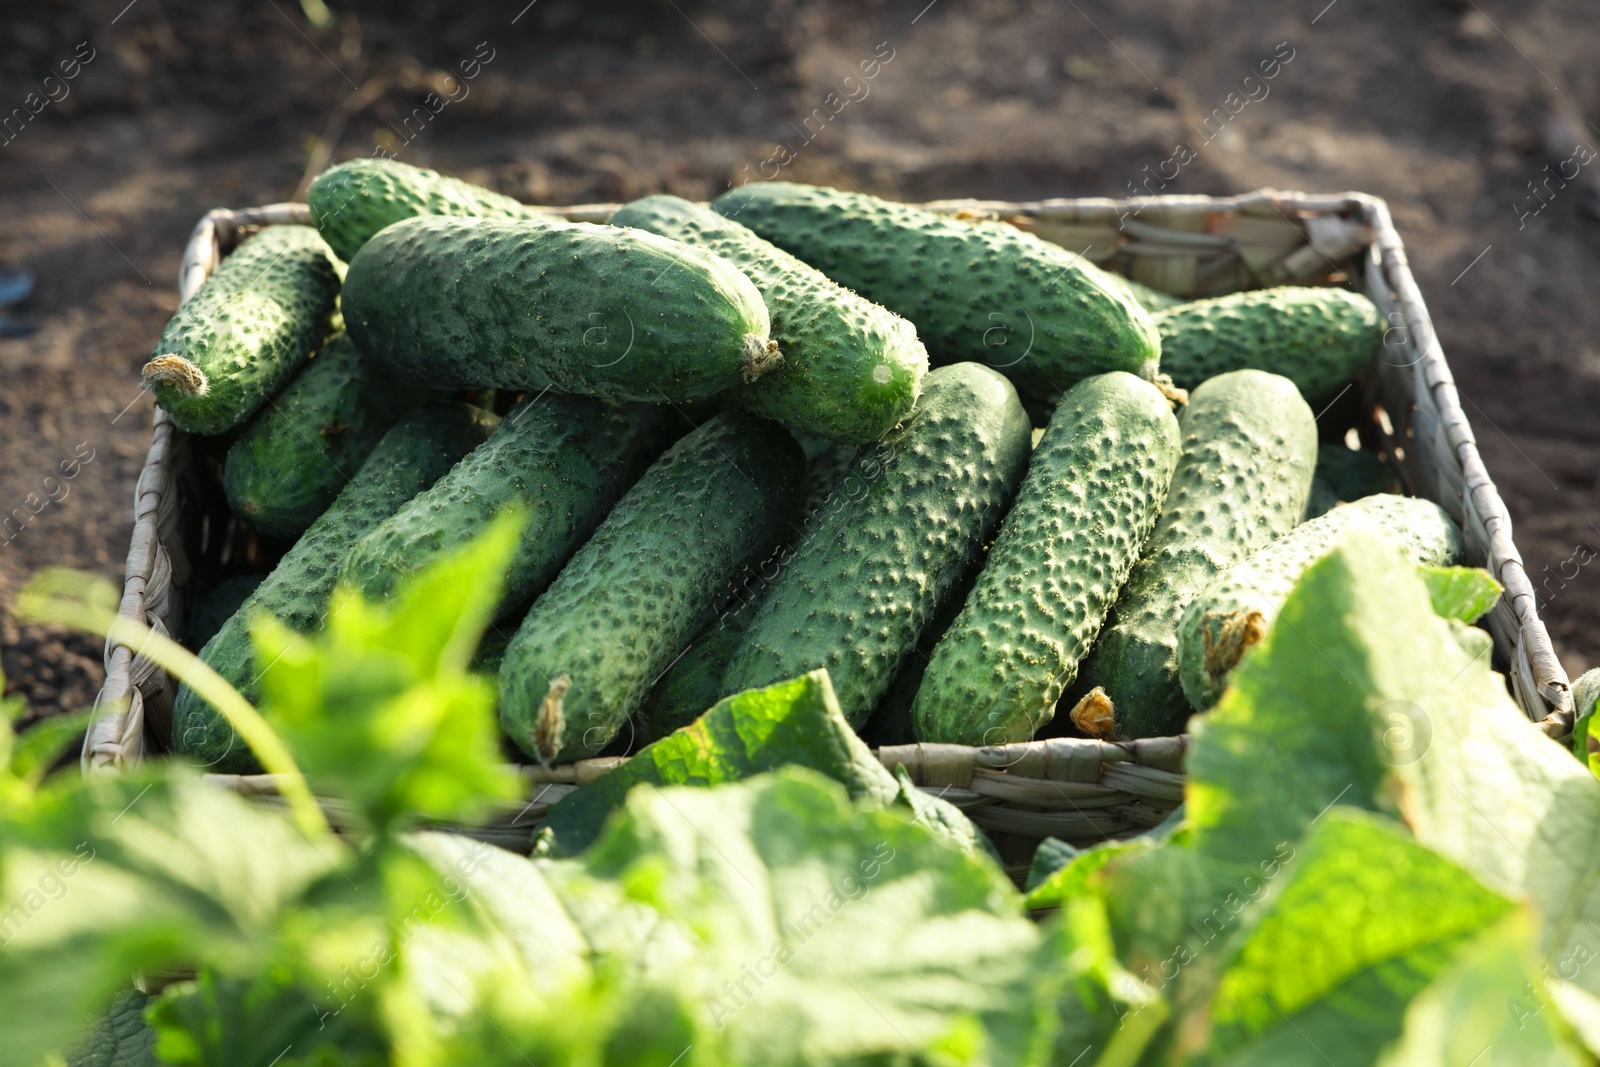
pixel 551 721
pixel 177 372
pixel 759 357
pixel 1095 715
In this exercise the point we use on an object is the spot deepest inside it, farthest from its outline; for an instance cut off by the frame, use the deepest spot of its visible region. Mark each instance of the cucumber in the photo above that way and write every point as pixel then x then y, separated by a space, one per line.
pixel 1089 501
pixel 628 602
pixel 851 369
pixel 1317 338
pixel 564 459
pixel 890 722
pixel 350 203
pixel 292 459
pixel 246 331
pixel 1249 450
pixel 415 453
pixel 595 310
pixel 1321 500
pixel 1238 605
pixel 216 606
pixel 694 681
pixel 985 291
pixel 865 578
pixel 1351 474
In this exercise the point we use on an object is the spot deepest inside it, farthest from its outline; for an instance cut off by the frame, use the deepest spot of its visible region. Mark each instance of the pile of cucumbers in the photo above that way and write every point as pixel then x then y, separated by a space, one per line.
pixel 989 487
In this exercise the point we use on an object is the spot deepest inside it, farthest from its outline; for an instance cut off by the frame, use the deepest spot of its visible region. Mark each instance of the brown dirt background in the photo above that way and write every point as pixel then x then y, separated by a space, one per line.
pixel 1448 109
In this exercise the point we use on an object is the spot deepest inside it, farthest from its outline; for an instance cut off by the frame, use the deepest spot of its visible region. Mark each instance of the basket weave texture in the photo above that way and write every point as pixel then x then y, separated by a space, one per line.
pixel 1078 790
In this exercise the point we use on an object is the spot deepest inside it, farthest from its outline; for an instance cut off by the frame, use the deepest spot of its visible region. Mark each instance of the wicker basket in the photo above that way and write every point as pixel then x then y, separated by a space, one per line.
pixel 1082 791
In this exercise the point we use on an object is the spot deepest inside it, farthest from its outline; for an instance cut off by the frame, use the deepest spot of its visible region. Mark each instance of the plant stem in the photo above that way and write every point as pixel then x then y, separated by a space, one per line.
pixel 245 719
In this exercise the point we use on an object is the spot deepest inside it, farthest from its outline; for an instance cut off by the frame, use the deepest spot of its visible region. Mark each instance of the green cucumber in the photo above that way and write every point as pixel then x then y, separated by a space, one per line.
pixel 350 203
pixel 1249 449
pixel 412 456
pixel 694 681
pixel 1317 338
pixel 866 576
pixel 1094 487
pixel 1351 474
pixel 983 291
pixel 890 722
pixel 595 310
pixel 851 369
pixel 246 331
pixel 1320 501
pixel 564 459
pixel 1239 605
pixel 292 459
pixel 216 606
pixel 628 602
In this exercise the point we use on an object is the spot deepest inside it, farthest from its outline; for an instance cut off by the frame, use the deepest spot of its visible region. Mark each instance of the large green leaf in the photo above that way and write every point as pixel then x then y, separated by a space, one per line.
pixel 794 722
pixel 1362 922
pixel 1367 698
pixel 1105 1017
pixel 379 708
pixel 1486 1009
pixel 808 930
pixel 117 874
pixel 1360 696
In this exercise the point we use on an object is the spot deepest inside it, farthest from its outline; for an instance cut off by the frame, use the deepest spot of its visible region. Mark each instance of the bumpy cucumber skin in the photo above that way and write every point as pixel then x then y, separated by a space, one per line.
pixel 250 327
pixel 978 291
pixel 564 459
pixel 350 203
pixel 694 681
pixel 1351 474
pixel 216 606
pixel 292 459
pixel 631 598
pixel 1249 450
pixel 1094 487
pixel 851 369
pixel 1262 581
pixel 865 578
pixel 415 453
pixel 595 310
pixel 1317 338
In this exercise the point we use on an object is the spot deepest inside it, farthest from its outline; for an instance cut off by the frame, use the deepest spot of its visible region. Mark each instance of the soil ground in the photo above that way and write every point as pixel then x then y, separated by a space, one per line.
pixel 1452 111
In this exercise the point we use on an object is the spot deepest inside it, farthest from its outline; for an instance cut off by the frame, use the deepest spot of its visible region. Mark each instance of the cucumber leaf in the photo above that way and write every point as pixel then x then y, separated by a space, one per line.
pixel 1366 695
pixel 38 747
pixel 1464 593
pixel 1362 922
pixel 1359 697
pixel 807 930
pixel 1488 1008
pixel 103 877
pixel 265 1020
pixel 121 1038
pixel 1050 856
pixel 1105 1016
pixel 1585 695
pixel 380 709
pixel 794 722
